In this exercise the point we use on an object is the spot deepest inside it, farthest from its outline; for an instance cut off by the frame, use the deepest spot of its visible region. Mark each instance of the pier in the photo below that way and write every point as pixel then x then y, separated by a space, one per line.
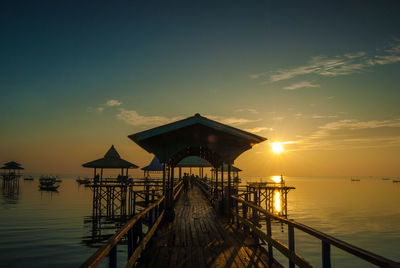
pixel 214 223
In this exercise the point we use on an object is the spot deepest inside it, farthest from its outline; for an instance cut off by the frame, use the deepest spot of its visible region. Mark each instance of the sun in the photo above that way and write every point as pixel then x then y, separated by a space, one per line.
pixel 277 147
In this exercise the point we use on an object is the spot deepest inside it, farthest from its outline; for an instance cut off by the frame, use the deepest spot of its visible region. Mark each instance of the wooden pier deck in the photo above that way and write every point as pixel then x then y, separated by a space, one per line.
pixel 198 237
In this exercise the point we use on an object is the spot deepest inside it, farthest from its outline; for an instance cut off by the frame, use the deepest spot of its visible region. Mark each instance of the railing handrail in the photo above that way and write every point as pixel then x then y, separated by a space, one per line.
pixel 354 250
pixel 102 252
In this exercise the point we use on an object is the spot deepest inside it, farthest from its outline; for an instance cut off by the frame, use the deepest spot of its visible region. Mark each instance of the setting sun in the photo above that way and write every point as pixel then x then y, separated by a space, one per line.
pixel 277 147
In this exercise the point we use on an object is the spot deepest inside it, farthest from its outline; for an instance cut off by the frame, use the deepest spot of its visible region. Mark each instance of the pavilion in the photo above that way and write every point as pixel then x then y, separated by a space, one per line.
pixel 11 170
pixel 195 136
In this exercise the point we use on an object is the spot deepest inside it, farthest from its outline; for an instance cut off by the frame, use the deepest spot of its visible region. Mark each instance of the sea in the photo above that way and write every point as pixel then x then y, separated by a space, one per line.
pixel 55 229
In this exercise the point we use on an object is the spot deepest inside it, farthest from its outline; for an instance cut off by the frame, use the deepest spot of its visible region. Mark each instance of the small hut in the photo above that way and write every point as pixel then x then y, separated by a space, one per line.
pixel 111 160
pixel 155 166
pixel 110 194
pixel 11 170
pixel 194 162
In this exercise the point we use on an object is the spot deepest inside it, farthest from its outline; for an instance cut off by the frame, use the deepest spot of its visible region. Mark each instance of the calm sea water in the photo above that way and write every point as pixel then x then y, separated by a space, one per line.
pixel 45 229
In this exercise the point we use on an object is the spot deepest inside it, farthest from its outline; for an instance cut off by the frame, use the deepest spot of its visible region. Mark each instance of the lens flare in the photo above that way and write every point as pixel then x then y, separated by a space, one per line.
pixel 277 147
pixel 276 179
pixel 277 202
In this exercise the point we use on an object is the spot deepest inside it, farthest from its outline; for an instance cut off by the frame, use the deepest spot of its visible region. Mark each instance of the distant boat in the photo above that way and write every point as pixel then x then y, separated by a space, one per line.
pixel 385 179
pixel 48 187
pixel 354 179
pixel 29 178
pixel 396 181
pixel 48 183
pixel 82 181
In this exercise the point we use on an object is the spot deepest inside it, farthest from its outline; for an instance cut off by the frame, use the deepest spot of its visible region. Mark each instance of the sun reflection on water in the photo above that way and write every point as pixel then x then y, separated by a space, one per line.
pixel 277 202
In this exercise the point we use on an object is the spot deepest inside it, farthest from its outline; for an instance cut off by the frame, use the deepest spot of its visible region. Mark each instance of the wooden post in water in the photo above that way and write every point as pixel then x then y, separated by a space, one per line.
pixel 229 188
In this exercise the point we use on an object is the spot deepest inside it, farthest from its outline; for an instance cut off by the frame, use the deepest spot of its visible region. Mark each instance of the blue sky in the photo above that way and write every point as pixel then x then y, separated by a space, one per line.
pixel 322 76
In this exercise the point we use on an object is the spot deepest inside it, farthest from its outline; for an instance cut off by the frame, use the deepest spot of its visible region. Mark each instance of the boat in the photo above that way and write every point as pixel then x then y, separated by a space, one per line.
pixel 354 179
pixel 82 181
pixel 385 179
pixel 45 187
pixel 29 178
pixel 48 183
pixel 396 181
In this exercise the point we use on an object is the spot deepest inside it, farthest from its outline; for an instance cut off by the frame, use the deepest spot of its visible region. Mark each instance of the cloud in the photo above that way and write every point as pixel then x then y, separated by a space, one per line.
pixel 302 84
pixel 231 120
pixel 259 129
pixel 100 109
pixel 131 117
pixel 351 134
pixel 249 110
pixel 318 116
pixel 113 103
pixel 344 64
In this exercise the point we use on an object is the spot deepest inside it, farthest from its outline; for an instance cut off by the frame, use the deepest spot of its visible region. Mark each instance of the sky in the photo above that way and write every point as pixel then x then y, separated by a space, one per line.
pixel 321 77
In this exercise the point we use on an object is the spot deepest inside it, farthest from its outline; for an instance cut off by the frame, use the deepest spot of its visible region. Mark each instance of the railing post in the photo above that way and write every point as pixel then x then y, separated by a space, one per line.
pixel 269 233
pixel 130 243
pixel 237 213
pixel 326 255
pixel 112 257
pixel 291 243
pixel 245 209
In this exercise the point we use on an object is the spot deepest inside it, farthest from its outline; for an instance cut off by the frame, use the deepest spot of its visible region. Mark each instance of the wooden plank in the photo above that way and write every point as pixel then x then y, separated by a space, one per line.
pixel 145 240
pixel 297 259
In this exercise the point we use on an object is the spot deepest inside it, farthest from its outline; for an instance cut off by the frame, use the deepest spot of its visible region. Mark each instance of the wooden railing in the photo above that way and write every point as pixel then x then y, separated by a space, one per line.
pixel 242 219
pixel 133 230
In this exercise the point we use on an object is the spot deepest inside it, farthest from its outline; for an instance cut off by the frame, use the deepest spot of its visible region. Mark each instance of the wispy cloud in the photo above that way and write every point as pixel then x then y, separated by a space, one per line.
pixel 302 84
pixel 249 110
pixel 259 129
pixel 319 116
pixel 113 103
pixel 231 120
pixel 353 134
pixel 131 117
pixel 344 64
pixel 100 109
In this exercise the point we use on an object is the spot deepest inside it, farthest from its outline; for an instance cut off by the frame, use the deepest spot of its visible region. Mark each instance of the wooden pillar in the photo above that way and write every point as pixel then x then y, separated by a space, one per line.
pixel 180 173
pixel 216 182
pixel 172 185
pixel 222 179
pixel 163 178
pixel 229 188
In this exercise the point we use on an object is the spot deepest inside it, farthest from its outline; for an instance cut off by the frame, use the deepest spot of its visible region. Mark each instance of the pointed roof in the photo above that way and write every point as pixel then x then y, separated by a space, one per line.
pixel 12 165
pixel 223 142
pixel 155 165
pixel 111 159
pixel 193 161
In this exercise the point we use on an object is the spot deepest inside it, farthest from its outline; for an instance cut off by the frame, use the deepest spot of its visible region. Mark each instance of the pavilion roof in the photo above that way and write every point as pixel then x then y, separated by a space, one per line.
pixel 193 161
pixel 155 165
pixel 110 160
pixel 12 165
pixel 196 135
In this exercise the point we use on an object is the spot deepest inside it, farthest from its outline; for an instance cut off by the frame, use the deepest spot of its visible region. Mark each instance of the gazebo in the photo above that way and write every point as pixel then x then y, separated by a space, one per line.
pixel 11 170
pixel 111 191
pixel 111 160
pixel 154 166
pixel 193 162
pixel 199 136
